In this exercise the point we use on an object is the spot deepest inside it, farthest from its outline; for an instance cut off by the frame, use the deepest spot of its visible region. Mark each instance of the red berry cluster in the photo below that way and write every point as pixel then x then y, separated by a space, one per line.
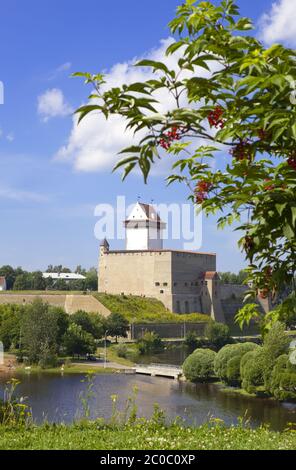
pixel 269 187
pixel 201 191
pixel 175 134
pixel 262 134
pixel 242 151
pixel 292 161
pixel 215 118
pixel 249 243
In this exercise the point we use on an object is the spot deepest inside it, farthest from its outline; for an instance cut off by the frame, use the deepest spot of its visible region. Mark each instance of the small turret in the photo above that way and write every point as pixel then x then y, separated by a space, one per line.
pixel 104 247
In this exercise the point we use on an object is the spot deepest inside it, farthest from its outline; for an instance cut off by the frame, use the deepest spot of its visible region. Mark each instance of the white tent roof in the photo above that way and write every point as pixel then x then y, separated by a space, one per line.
pixel 64 276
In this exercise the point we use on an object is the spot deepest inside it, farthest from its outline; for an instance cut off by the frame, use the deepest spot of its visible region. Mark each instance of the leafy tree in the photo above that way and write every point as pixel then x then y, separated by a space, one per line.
pixel 39 331
pixel 192 341
pixel 150 343
pixel 230 92
pixel 23 282
pixel 10 325
pixel 91 282
pixel 117 325
pixel 90 322
pixel 10 275
pixel 231 278
pixel 286 312
pixel 218 334
pixel 78 342
pixel 38 282
pixel 199 366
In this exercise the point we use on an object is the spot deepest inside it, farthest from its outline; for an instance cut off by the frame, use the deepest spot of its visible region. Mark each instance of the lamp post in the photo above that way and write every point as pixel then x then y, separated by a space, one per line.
pixel 105 350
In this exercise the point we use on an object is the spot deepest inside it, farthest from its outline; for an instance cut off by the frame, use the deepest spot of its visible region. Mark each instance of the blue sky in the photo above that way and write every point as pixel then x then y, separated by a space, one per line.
pixel 50 181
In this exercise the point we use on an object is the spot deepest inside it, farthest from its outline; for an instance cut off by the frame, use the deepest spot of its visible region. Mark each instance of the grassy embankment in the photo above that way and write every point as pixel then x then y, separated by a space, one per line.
pixel 143 435
pixel 145 310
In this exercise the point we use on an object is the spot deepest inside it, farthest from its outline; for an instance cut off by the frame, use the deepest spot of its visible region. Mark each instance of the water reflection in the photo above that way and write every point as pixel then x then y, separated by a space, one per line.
pixel 56 398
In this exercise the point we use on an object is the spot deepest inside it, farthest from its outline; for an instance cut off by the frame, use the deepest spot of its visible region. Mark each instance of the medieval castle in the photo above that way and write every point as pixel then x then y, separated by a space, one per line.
pixel 185 281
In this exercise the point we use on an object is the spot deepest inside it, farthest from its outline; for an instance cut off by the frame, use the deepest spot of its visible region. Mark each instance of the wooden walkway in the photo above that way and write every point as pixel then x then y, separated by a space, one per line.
pixel 159 370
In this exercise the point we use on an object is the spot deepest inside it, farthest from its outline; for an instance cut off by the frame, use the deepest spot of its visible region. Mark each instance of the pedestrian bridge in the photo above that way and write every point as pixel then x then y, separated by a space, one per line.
pixel 159 370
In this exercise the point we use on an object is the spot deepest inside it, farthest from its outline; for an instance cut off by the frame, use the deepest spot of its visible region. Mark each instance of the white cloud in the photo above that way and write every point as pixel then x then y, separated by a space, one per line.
pixel 10 137
pixel 93 145
pixel 279 24
pixel 60 70
pixel 52 104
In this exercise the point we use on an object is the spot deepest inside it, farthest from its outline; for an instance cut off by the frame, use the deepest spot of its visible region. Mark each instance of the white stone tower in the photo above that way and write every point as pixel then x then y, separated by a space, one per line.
pixel 144 229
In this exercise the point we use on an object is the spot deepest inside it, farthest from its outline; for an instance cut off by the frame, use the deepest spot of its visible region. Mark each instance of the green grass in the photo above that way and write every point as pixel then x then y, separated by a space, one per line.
pixel 72 369
pixel 143 435
pixel 113 357
pixel 145 310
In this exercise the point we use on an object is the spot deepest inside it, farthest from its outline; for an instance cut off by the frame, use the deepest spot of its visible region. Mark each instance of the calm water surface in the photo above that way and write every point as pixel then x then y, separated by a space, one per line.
pixel 56 398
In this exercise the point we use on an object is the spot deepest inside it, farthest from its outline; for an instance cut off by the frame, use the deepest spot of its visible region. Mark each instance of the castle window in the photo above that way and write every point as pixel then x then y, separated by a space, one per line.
pixel 165 284
pixel 186 284
pixel 157 284
pixel 162 292
pixel 175 284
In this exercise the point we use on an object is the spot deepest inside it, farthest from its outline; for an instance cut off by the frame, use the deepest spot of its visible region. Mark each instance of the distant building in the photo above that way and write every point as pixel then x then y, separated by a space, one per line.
pixel 64 276
pixel 185 281
pixel 3 285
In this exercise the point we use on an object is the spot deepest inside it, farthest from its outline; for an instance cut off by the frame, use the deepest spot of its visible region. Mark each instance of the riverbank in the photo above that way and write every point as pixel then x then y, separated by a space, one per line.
pixel 143 435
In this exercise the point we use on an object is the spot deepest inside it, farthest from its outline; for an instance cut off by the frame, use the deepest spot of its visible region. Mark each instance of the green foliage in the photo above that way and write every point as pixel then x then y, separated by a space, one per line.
pixel 248 313
pixel 39 331
pixel 192 341
pixel 283 379
pixel 246 99
pixel 286 311
pixel 252 370
pixel 143 435
pixel 122 351
pixel 228 369
pixel 150 343
pixel 10 325
pixel 20 280
pixel 218 334
pixel 78 342
pixel 199 366
pixel 276 343
pixel 117 325
pixel 231 278
pixel 90 322
pixel 257 367
pixel 145 310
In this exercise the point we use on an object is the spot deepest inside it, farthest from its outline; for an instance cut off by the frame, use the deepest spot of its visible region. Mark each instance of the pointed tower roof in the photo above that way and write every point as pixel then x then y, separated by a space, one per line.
pixel 144 212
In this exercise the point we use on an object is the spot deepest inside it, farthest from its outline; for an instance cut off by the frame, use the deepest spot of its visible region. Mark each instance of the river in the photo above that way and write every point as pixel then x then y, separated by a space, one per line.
pixel 56 398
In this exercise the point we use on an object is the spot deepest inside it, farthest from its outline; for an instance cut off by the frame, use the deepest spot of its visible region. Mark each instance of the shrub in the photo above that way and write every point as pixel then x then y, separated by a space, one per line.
pixel 283 379
pixel 276 343
pixel 218 334
pixel 150 343
pixel 192 341
pixel 252 369
pixel 199 366
pixel 231 374
pixel 122 350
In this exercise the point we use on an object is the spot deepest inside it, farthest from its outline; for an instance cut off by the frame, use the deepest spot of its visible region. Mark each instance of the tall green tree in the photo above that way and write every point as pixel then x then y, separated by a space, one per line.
pixel 117 325
pixel 233 95
pixel 78 342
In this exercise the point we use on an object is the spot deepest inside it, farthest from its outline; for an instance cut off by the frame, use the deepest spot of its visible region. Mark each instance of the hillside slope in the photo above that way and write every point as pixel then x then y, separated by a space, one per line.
pixel 144 309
